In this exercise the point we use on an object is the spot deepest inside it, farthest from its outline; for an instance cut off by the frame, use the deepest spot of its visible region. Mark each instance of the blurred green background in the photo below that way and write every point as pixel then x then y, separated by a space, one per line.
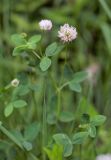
pixel 93 45
pixel 92 18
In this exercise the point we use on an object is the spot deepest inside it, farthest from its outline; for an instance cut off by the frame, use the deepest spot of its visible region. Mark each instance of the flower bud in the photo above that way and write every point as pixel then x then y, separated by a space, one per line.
pixel 15 82
pixel 45 25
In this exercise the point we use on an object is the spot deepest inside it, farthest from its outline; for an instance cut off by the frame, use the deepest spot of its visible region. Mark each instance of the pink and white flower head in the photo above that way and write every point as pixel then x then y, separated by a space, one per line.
pixel 67 33
pixel 104 157
pixel 45 25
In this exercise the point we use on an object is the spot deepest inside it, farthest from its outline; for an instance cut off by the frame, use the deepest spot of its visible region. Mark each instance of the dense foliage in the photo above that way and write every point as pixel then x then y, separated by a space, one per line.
pixel 58 109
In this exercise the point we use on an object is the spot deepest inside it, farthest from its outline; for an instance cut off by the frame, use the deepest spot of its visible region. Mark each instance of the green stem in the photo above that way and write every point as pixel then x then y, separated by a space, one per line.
pixel 10 136
pixel 35 104
pixel 36 55
pixel 62 75
pixel 53 81
pixel 65 84
pixel 58 103
pixel 94 146
pixel 6 14
pixel 44 125
pixel 5 88
pixel 89 96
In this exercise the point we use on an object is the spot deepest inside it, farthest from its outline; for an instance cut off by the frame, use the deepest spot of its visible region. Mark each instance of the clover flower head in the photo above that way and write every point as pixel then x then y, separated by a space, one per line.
pixel 45 24
pixel 104 157
pixel 15 82
pixel 67 33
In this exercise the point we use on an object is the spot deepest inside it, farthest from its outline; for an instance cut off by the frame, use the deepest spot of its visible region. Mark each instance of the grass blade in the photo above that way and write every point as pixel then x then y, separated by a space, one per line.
pixel 11 136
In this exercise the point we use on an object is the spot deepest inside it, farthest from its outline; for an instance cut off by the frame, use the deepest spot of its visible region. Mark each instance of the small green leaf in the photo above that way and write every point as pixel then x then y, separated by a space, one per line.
pixel 79 77
pixel 18 50
pixel 98 120
pixel 32 131
pixel 64 140
pixel 18 135
pixel 31 46
pixel 45 63
pixel 8 110
pixel 32 42
pixel 34 87
pixel 55 153
pixel 59 49
pixel 35 39
pixel 27 145
pixel 19 103
pixel 51 119
pixel 18 40
pixel 66 116
pixel 51 49
pixel 92 131
pixel 75 86
pixel 79 137
pixel 21 90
